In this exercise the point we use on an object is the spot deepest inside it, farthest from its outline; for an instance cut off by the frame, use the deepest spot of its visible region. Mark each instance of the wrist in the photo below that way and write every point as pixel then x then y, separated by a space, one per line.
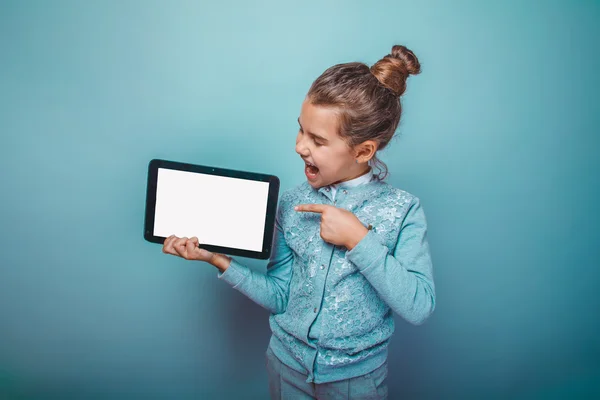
pixel 361 233
pixel 220 261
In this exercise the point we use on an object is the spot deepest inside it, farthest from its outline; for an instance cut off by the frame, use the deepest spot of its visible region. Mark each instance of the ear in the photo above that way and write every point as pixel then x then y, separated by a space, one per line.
pixel 365 151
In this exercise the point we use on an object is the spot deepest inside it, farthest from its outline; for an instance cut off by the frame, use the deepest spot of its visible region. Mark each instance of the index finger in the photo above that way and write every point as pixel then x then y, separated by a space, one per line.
pixel 318 208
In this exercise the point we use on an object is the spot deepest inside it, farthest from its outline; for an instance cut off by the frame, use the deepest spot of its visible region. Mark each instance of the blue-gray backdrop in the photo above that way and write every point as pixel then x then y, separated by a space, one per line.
pixel 499 139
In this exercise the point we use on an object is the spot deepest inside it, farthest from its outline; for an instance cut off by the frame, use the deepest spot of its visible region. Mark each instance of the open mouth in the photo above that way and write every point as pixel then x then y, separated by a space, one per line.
pixel 311 170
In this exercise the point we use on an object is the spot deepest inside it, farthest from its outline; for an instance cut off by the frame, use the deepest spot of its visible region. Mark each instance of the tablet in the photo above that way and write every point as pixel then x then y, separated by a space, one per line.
pixel 230 212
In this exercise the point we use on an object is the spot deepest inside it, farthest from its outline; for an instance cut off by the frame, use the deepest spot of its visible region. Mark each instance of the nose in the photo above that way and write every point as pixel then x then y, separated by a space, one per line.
pixel 301 147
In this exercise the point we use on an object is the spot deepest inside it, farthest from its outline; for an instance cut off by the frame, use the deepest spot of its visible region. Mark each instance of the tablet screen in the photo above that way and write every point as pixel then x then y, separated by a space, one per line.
pixel 218 210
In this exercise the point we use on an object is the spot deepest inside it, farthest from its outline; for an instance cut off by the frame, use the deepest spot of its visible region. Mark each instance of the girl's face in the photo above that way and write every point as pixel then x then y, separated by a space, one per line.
pixel 328 159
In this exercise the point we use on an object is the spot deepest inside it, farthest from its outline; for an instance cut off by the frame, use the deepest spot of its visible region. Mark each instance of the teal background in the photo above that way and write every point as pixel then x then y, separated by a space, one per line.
pixel 499 139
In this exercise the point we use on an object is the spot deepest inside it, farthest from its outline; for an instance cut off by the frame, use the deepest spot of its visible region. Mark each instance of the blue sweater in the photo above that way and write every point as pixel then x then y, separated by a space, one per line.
pixel 331 308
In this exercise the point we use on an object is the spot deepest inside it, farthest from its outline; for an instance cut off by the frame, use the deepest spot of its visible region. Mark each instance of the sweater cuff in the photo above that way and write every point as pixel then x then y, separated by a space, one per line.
pixel 234 274
pixel 366 252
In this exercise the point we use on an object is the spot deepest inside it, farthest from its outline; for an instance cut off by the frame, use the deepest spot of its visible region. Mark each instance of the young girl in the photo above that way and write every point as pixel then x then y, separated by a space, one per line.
pixel 348 247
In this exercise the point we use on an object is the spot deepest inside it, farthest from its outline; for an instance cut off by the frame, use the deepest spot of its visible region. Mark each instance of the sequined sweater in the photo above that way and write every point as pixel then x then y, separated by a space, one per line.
pixel 331 308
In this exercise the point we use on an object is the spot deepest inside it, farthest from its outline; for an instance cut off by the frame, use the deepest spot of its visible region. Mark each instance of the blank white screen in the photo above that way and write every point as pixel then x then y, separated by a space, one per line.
pixel 218 210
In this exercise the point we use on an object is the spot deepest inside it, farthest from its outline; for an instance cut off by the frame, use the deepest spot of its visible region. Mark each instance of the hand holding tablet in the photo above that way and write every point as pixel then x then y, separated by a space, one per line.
pixel 228 211
pixel 186 248
pixel 189 250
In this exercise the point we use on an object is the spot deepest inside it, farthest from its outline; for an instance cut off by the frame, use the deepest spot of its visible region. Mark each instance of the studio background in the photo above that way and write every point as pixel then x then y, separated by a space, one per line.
pixel 499 140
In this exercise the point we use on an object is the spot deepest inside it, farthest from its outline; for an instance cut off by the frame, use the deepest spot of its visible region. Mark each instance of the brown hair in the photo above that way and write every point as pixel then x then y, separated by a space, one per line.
pixel 367 99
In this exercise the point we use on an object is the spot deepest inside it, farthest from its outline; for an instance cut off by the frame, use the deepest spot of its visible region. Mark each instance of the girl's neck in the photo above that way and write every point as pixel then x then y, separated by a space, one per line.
pixel 335 184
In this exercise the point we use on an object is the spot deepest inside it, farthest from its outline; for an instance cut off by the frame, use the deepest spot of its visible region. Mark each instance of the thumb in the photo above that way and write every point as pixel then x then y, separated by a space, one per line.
pixel 196 252
pixel 190 245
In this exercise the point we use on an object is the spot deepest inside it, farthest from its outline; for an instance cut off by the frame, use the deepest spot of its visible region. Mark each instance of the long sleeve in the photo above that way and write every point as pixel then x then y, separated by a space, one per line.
pixel 404 279
pixel 270 290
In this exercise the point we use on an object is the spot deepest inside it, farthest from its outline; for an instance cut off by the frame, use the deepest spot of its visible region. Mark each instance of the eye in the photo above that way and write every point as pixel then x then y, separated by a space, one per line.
pixel 318 144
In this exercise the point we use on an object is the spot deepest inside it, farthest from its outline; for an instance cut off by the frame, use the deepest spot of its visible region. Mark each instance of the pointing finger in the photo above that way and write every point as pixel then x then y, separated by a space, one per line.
pixel 318 208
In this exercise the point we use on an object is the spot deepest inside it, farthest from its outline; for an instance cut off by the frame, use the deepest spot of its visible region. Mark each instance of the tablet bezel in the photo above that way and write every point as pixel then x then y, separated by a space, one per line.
pixel 273 195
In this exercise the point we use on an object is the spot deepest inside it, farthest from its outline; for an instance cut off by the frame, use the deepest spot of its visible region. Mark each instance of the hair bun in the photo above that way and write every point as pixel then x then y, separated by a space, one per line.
pixel 409 59
pixel 393 69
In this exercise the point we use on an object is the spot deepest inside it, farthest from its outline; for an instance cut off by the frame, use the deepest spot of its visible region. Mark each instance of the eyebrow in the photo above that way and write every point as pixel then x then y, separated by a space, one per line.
pixel 311 133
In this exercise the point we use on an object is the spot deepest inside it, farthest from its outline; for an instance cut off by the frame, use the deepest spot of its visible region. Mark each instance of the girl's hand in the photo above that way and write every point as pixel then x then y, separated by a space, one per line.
pixel 186 248
pixel 338 226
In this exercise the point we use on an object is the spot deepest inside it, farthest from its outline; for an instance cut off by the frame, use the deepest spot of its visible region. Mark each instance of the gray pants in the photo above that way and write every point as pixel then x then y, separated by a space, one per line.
pixel 288 384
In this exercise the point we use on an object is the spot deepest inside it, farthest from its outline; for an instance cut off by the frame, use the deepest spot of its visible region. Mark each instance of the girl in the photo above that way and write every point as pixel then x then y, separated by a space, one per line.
pixel 348 248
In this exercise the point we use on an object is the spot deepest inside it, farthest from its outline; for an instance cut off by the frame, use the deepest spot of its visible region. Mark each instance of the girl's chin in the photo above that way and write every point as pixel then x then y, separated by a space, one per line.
pixel 316 184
